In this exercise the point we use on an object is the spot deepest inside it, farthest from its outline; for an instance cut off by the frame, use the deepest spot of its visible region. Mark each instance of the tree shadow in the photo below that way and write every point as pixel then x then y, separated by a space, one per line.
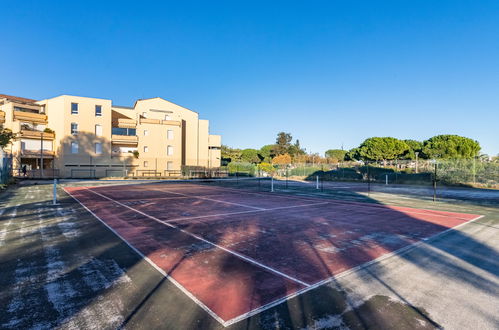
pixel 280 239
pixel 87 156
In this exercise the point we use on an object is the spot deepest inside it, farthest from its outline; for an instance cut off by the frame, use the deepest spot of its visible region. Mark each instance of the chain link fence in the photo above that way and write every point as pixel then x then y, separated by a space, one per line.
pixel 450 172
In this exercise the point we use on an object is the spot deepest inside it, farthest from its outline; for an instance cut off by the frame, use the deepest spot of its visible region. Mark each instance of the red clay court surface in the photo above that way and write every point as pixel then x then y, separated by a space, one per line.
pixel 236 253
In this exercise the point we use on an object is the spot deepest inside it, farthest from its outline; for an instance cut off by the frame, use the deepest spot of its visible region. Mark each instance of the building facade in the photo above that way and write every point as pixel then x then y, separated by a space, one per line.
pixel 71 136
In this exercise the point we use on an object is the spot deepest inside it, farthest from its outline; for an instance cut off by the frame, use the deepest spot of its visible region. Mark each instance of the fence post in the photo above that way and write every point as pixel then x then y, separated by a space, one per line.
pixel 317 182
pixel 386 179
pixel 272 183
pixel 368 181
pixel 286 178
pixel 435 184
pixel 54 199
pixel 474 170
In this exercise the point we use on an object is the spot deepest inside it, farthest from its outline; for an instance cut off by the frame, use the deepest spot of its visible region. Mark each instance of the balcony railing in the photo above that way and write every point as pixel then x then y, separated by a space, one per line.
pixel 124 139
pixel 127 123
pixel 150 121
pixel 33 134
pixel 30 116
pixel 36 153
pixel 159 121
pixel 171 122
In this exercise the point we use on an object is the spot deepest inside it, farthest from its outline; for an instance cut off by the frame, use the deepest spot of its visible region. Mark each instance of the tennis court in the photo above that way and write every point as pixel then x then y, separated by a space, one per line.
pixel 238 251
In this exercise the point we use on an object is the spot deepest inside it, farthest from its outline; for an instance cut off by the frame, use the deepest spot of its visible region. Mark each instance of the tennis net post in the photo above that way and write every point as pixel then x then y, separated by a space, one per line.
pixel 54 193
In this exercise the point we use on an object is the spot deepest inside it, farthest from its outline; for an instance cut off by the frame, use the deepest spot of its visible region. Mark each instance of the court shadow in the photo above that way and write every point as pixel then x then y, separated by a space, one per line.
pixel 309 246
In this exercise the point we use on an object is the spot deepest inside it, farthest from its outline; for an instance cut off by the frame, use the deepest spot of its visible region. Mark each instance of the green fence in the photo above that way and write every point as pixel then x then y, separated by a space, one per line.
pixel 5 168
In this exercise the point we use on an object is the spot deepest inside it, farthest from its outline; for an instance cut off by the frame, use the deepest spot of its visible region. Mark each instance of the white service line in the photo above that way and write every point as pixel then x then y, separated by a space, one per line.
pixel 243 212
pixel 209 199
pixel 250 260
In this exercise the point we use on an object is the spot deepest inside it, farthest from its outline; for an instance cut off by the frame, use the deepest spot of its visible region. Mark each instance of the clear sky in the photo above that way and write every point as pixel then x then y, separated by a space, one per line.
pixel 332 73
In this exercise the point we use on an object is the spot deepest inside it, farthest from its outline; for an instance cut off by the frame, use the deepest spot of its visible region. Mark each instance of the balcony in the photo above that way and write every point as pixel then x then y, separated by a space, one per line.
pixel 36 153
pixel 127 123
pixel 2 117
pixel 30 117
pixel 171 122
pixel 124 139
pixel 150 121
pixel 33 134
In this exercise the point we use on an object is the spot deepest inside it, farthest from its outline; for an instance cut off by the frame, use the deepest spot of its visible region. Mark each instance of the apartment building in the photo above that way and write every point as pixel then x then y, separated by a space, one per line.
pixel 73 136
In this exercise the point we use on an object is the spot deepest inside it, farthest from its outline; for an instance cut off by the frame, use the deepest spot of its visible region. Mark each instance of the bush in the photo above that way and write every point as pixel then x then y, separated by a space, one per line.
pixel 266 167
pixel 242 169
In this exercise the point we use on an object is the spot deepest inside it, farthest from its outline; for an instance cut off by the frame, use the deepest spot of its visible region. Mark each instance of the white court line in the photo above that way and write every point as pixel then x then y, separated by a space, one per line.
pixel 398 252
pixel 171 279
pixel 210 199
pixel 243 212
pixel 241 317
pixel 389 207
pixel 250 260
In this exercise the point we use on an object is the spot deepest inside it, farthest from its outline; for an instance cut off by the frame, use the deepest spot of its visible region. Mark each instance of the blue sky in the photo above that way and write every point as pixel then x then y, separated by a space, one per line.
pixel 332 73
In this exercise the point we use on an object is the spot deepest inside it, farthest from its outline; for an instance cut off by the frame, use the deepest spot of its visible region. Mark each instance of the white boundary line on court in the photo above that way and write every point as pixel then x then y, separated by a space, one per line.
pixel 170 278
pixel 243 212
pixel 385 206
pixel 308 287
pixel 210 199
pixel 240 256
pixel 398 252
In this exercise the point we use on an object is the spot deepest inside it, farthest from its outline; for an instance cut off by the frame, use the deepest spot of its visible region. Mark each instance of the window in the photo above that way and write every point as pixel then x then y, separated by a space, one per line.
pixel 146 149
pixel 169 166
pixel 169 134
pixel 144 114
pixel 98 148
pixel 98 110
pixel 146 132
pixel 74 147
pixel 98 130
pixel 74 128
pixel 146 163
pixel 167 117
pixel 74 108
pixel 123 131
pixel 169 150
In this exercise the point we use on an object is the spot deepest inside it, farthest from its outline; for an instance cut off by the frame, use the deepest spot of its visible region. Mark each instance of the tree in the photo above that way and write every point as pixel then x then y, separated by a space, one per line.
pixel 266 153
pixel 296 150
pixel 230 154
pixel 353 154
pixel 6 137
pixel 250 156
pixel 451 146
pixel 414 146
pixel 338 154
pixel 283 143
pixel 284 159
pixel 382 148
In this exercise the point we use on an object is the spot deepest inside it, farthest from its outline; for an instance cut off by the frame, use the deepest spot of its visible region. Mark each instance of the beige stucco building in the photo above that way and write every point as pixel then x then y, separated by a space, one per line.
pixel 73 136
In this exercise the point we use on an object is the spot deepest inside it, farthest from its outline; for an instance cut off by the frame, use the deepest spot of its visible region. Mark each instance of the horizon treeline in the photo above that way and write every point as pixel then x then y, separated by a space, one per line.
pixel 379 149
